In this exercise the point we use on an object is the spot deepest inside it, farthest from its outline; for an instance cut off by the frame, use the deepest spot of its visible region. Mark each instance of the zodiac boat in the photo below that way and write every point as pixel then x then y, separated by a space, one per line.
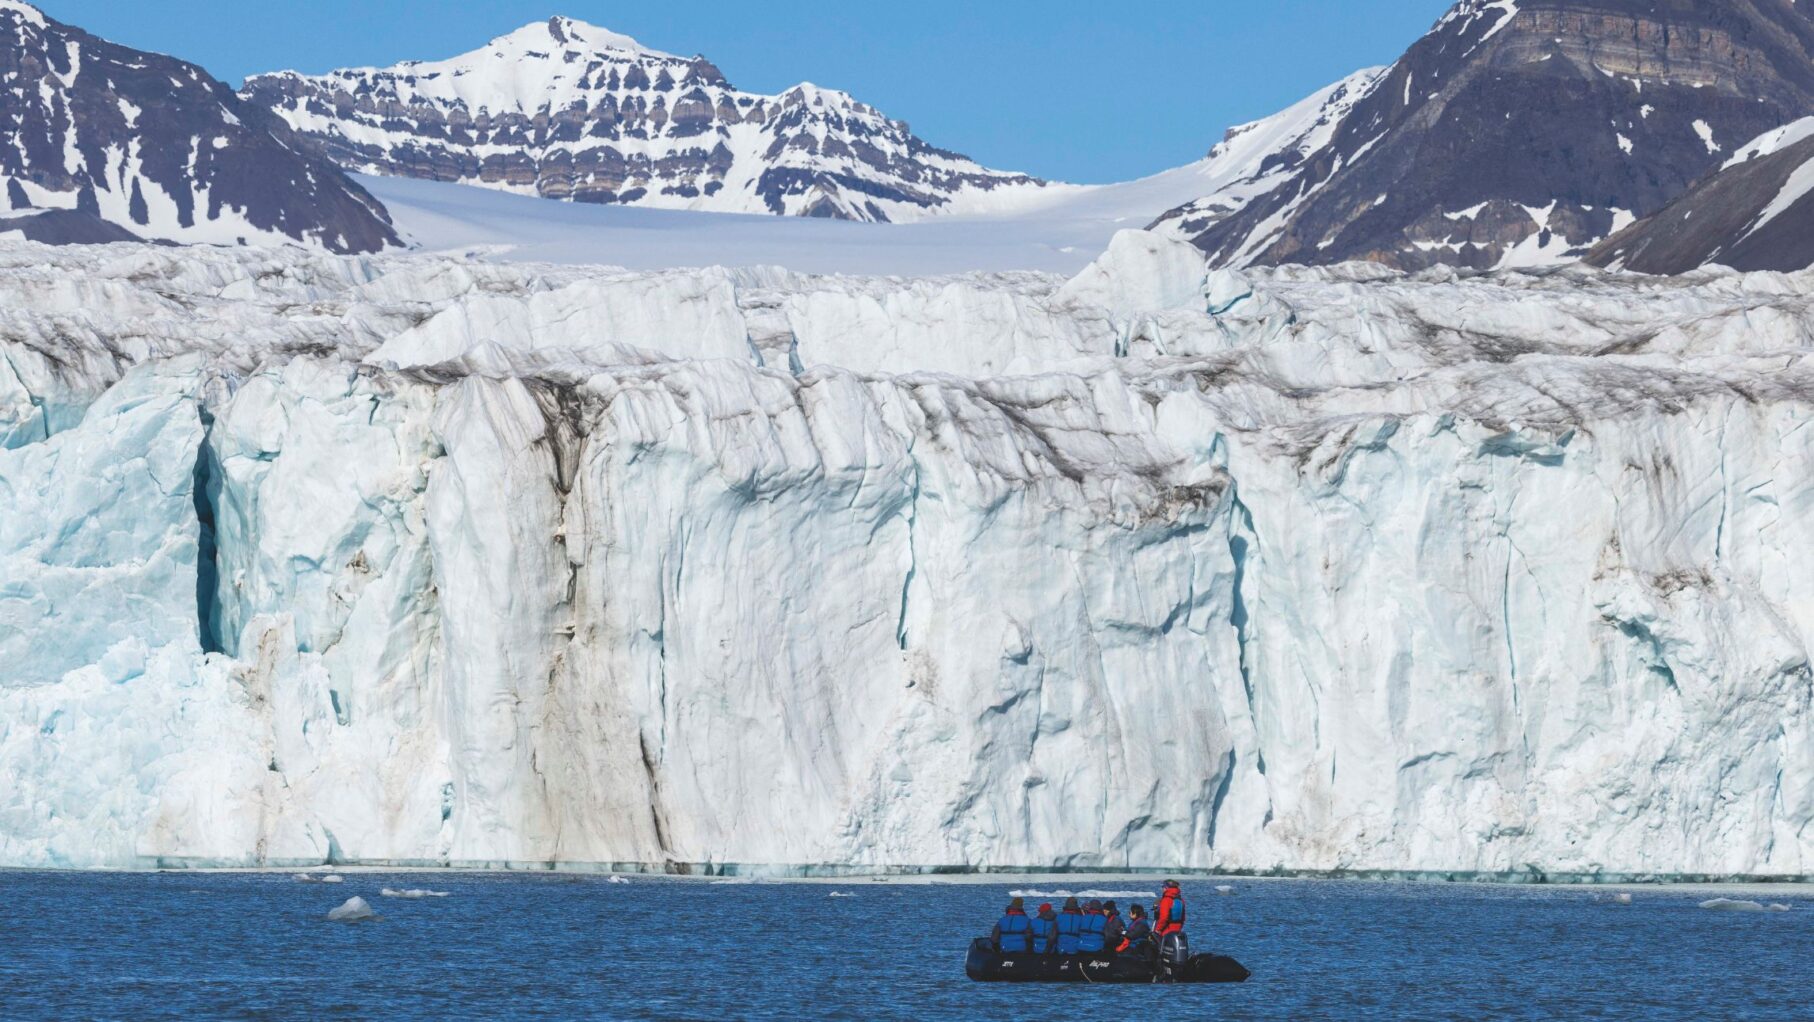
pixel 987 965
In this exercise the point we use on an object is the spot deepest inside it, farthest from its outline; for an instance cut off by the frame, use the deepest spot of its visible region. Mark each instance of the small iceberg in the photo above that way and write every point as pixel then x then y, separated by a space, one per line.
pixel 310 878
pixel 1225 889
pixel 1730 905
pixel 411 892
pixel 615 879
pixel 356 909
pixel 840 894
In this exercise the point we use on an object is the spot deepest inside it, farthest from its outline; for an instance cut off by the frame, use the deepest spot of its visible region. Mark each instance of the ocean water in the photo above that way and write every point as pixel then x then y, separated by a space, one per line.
pixel 259 946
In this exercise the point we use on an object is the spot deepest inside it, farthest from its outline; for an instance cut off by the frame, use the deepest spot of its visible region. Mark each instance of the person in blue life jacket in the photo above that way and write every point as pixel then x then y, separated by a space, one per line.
pixel 1113 929
pixel 1070 927
pixel 1090 941
pixel 1014 933
pixel 1045 930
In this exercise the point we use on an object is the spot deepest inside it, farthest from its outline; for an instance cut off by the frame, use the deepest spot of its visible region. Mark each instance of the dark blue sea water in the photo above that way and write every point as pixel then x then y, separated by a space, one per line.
pixel 194 946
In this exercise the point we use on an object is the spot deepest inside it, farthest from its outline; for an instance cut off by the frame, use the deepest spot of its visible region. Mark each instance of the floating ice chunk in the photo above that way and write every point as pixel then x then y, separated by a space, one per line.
pixel 411 892
pixel 330 878
pixel 1730 905
pixel 1224 889
pixel 615 879
pixel 840 894
pixel 356 909
pixel 1083 894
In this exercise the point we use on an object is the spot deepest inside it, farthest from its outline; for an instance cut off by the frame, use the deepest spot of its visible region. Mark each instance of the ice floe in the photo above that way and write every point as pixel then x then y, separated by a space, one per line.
pixel 354 910
pixel 1734 905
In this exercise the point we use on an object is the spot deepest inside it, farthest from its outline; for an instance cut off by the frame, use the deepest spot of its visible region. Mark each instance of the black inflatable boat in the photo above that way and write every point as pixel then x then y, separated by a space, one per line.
pixel 987 965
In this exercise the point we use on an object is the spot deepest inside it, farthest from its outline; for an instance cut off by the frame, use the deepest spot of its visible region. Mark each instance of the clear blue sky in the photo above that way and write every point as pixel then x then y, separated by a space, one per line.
pixel 1076 91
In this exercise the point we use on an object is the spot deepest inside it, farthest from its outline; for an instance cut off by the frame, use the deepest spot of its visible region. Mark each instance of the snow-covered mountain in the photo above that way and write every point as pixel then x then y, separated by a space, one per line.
pixel 567 110
pixel 1756 213
pixel 1057 230
pixel 407 559
pixel 105 143
pixel 1523 132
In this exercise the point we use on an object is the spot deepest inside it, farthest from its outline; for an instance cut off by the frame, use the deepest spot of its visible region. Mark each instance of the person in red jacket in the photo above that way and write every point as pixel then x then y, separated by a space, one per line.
pixel 1168 916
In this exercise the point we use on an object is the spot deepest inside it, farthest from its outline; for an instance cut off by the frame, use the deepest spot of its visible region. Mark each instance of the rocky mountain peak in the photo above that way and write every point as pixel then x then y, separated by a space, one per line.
pixel 1522 132
pixel 567 110
pixel 570 35
pixel 109 143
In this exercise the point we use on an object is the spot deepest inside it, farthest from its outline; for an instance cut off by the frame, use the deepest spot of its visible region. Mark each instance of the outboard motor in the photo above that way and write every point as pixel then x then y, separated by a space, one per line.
pixel 1174 954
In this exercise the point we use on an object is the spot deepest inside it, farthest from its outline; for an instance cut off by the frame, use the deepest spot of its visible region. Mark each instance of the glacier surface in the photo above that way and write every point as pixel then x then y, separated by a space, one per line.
pixel 414 559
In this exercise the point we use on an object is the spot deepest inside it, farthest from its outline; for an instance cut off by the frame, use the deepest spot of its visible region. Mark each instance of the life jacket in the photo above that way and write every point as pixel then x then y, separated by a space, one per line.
pixel 1089 941
pixel 1016 933
pixel 1170 917
pixel 1045 935
pixel 1137 930
pixel 1114 931
pixel 1070 932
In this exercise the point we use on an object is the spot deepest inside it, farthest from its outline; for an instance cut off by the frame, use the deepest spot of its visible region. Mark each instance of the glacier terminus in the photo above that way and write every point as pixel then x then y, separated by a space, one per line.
pixel 418 559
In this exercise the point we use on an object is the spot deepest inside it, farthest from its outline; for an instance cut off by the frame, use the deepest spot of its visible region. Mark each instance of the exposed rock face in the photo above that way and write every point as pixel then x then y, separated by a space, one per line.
pixel 567 110
pixel 1757 213
pixel 110 143
pixel 1522 132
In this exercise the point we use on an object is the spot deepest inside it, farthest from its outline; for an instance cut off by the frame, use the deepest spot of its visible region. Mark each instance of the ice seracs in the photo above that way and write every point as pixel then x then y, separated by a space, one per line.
pixel 442 562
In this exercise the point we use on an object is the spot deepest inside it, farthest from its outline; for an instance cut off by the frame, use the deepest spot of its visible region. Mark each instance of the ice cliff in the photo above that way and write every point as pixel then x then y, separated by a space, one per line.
pixel 308 559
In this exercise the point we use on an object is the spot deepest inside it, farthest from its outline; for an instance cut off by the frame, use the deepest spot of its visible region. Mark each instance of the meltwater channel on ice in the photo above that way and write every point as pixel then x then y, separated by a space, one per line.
pixel 420 560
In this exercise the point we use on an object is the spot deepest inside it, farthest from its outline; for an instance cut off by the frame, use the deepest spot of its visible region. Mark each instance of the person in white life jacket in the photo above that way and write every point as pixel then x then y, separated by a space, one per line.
pixel 1014 933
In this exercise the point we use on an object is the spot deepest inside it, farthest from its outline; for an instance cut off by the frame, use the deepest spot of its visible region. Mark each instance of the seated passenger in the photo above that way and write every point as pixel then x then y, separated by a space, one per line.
pixel 1138 929
pixel 1113 928
pixel 1014 933
pixel 1070 927
pixel 1045 930
pixel 1089 942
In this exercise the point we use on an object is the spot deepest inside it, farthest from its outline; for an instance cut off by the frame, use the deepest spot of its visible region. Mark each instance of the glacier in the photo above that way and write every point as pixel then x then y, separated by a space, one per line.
pixel 425 560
